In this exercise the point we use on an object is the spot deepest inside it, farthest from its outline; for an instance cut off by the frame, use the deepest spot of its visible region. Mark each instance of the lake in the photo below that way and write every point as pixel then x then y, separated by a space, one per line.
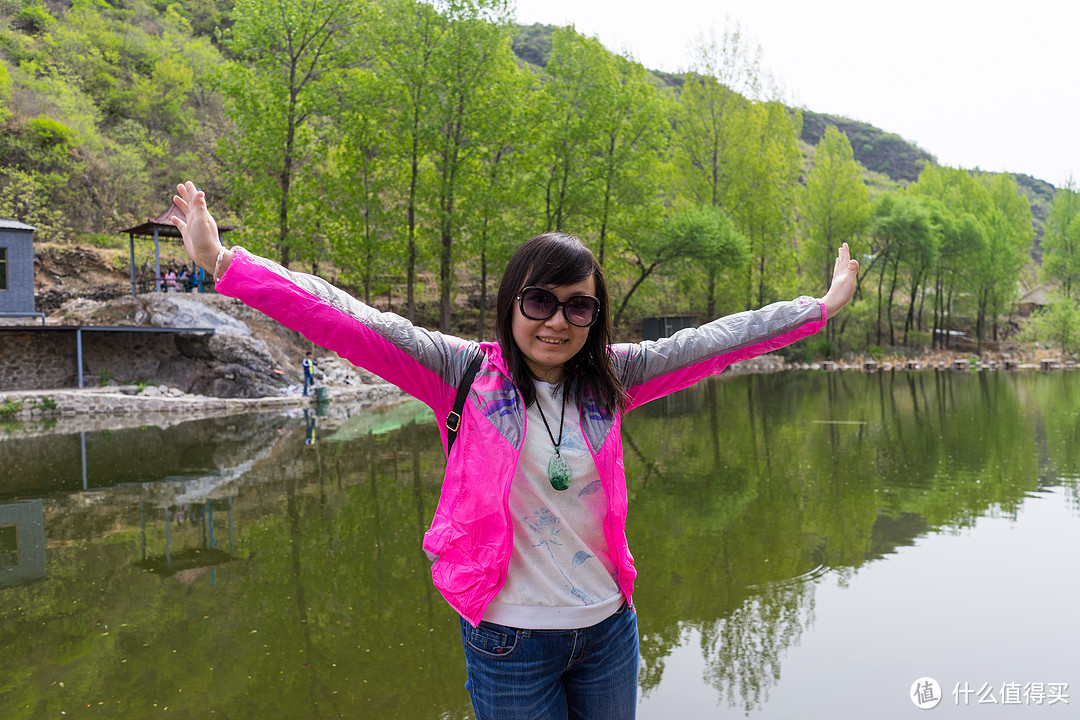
pixel 809 545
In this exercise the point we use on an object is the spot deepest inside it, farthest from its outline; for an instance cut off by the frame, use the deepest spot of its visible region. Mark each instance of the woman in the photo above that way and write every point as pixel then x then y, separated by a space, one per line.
pixel 528 541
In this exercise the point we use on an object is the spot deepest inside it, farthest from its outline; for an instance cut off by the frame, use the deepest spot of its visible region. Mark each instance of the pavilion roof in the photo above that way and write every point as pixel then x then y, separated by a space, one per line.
pixel 163 223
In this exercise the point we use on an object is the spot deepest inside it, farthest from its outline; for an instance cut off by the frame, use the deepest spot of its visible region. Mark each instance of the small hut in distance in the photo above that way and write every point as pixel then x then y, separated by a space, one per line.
pixel 17 270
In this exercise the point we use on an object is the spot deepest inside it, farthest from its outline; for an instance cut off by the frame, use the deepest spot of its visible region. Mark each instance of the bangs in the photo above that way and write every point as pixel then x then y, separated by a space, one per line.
pixel 561 263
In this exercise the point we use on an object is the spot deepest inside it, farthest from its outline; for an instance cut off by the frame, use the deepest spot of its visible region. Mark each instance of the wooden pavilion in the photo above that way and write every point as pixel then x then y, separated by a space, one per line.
pixel 158 227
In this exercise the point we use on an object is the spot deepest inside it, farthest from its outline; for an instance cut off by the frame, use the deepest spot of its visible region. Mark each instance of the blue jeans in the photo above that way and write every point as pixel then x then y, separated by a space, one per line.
pixel 516 674
pixel 309 380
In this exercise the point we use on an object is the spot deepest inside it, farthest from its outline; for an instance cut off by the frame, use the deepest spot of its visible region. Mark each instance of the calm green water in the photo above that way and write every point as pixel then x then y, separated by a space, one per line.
pixel 809 545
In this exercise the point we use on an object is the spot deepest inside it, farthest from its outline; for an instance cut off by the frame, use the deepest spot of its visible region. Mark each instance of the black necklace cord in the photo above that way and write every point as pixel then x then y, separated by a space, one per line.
pixel 562 416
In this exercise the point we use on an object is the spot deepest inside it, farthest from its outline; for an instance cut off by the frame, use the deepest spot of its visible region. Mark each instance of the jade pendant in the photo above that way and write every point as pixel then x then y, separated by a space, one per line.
pixel 558 472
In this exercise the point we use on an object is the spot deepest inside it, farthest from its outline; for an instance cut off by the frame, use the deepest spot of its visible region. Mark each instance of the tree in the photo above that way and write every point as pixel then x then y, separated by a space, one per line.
pixel 1061 243
pixel 835 207
pixel 569 112
pixel 765 199
pixel 739 153
pixel 635 132
pixel 1003 216
pixel 289 57
pixel 474 67
pixel 361 180
pixel 418 29
pixel 699 233
pixel 1060 322
pixel 835 203
pixel 705 139
pixel 1009 235
pixel 962 239
pixel 901 225
pixel 498 212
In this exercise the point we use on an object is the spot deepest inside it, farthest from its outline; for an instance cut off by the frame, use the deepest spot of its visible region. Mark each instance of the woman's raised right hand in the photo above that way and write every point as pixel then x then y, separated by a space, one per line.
pixel 199 230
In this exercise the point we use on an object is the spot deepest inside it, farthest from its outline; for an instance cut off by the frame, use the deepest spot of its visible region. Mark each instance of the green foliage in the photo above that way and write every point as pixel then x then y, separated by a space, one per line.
pixel 102 110
pixel 105 240
pixel 5 90
pixel 835 203
pixel 33 19
pixel 702 235
pixel 49 133
pixel 1061 244
pixel 27 197
pixel 1057 323
pixel 9 408
pixel 809 349
pixel 532 43
pixel 290 59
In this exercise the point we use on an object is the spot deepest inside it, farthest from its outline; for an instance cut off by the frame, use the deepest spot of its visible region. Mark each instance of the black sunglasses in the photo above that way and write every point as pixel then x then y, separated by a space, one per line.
pixel 539 304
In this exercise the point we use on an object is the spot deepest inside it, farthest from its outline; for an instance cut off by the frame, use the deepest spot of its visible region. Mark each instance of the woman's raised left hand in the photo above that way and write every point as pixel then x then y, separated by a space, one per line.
pixel 845 273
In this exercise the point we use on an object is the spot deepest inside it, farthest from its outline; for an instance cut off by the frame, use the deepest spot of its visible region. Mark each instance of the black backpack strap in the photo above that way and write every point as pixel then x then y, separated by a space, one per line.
pixel 453 420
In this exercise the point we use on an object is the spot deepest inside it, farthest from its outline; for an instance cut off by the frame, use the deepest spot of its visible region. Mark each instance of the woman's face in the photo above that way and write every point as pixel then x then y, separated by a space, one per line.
pixel 548 344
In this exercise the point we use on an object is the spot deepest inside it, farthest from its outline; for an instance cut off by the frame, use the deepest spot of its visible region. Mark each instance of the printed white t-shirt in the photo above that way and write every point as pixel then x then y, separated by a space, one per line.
pixel 560 574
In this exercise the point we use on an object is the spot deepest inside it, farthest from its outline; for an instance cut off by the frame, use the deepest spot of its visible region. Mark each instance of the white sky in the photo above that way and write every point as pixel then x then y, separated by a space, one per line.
pixel 976 83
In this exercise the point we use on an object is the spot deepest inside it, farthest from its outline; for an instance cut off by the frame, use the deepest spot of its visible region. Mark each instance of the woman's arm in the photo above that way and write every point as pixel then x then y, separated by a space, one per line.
pixel 424 364
pixel 653 369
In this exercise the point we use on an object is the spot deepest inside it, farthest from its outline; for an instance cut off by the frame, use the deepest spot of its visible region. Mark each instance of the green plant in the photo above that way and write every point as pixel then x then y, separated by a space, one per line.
pixel 9 408
pixel 105 376
pixel 106 241
pixel 875 352
pixel 45 403
pixel 918 339
pixel 800 352
pixel 823 347
pixel 33 19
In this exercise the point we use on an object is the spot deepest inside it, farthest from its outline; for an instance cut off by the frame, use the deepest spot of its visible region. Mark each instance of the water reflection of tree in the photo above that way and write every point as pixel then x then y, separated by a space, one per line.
pixel 743 651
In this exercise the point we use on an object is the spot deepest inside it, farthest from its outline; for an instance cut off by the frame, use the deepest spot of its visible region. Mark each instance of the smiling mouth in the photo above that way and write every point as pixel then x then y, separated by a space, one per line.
pixel 552 341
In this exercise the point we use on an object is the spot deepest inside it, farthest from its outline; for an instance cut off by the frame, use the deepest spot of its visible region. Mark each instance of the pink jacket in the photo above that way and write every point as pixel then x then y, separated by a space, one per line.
pixel 470 539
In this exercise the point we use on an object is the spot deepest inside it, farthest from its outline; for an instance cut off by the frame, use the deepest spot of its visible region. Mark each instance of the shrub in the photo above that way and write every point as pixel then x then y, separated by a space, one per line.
pixel 33 19
pixel 49 133
pixel 824 348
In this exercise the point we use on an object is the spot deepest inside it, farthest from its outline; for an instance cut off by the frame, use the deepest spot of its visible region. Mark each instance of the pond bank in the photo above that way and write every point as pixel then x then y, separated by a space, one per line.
pixel 24 412
pixel 133 405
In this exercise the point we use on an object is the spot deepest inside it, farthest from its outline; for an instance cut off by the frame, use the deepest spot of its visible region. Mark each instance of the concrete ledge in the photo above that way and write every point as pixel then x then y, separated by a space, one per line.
pixel 45 404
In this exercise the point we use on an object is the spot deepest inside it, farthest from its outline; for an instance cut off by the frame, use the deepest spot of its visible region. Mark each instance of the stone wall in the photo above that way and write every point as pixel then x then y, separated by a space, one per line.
pixel 38 359
pixel 34 360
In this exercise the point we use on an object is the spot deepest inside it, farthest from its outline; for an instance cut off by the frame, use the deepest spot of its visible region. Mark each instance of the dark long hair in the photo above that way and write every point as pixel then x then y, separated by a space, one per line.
pixel 559 259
